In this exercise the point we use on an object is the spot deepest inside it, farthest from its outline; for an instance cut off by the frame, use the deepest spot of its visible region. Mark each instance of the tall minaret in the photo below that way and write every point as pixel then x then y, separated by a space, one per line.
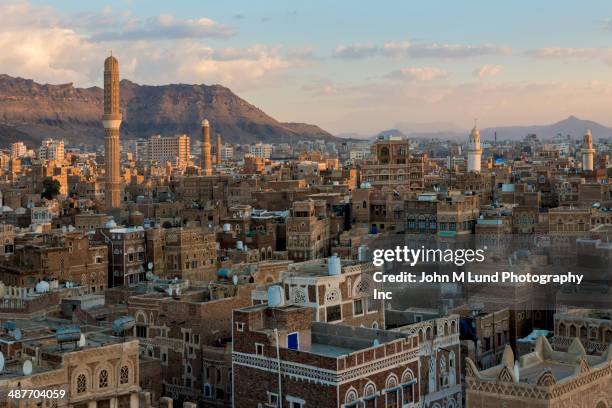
pixel 474 152
pixel 112 121
pixel 587 152
pixel 206 157
pixel 218 156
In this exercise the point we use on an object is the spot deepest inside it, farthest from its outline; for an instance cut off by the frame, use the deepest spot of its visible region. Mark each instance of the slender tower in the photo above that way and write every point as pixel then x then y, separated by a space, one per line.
pixel 218 156
pixel 474 152
pixel 587 152
pixel 112 121
pixel 206 157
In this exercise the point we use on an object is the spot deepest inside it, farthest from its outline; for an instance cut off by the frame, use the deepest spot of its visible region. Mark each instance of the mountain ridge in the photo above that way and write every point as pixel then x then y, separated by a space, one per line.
pixel 31 111
pixel 571 125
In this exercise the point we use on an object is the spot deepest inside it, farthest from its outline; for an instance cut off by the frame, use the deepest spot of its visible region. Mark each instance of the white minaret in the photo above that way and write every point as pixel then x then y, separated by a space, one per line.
pixel 474 152
pixel 587 152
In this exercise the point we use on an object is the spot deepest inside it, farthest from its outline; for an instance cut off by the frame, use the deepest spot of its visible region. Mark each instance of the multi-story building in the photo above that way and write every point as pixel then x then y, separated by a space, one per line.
pixel 7 240
pixel 457 214
pixel 18 149
pixel 103 371
pixel 543 378
pixel 63 256
pixel 189 253
pixel 126 246
pixel 340 292
pixel 439 356
pixel 262 150
pixel 189 330
pixel 51 149
pixel 308 230
pixel 173 149
pixel 593 327
pixel 393 165
pixel 227 153
pixel 282 358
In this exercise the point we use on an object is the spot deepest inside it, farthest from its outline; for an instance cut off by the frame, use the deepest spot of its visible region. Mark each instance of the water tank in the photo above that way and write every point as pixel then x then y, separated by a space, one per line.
pixel 276 297
pixel 334 266
pixel 123 324
pixel 9 325
pixel 225 273
pixel 110 224
pixel 227 227
pixel 239 246
pixel 68 334
pixel 42 287
pixel 362 253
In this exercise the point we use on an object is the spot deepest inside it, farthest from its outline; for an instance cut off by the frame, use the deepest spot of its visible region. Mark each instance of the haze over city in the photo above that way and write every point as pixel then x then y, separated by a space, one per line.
pixel 349 67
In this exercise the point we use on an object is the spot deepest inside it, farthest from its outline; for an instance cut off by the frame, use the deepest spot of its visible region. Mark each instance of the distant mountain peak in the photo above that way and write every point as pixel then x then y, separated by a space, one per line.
pixel 39 111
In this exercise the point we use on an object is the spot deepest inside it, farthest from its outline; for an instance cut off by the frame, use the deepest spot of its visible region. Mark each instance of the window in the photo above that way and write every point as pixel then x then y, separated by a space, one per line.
pixel 103 383
pixel 334 313
pixel 207 391
pixel 141 331
pixel 272 399
pixel 124 375
pixel 259 349
pixel 81 384
pixel 408 393
pixel 293 341
pixel 372 305
pixel 239 326
pixel 391 398
pixel 358 307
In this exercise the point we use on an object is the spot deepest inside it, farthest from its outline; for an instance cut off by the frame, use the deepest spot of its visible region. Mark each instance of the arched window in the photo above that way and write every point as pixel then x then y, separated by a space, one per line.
pixel 562 330
pixel 124 375
pixel 351 396
pixel 103 380
pixel 391 382
pixel 81 384
pixel 369 389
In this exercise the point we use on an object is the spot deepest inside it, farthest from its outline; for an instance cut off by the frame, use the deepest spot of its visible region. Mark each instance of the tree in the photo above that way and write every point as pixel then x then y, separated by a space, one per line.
pixel 51 188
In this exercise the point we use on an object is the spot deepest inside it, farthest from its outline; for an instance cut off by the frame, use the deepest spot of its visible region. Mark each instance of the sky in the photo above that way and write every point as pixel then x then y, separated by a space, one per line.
pixel 347 66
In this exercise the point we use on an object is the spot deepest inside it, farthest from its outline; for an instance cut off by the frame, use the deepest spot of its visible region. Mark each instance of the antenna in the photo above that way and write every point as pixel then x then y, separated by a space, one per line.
pixel 27 367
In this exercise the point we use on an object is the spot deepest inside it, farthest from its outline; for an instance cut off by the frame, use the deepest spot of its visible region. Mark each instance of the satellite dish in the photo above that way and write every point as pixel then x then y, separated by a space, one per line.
pixel 150 265
pixel 27 367
pixel 235 280
pixel 1 362
pixel 82 341
pixel 16 333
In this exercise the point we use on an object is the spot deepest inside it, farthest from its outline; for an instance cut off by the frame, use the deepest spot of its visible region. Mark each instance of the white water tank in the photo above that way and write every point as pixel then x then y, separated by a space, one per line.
pixel 227 227
pixel 362 253
pixel 334 267
pixel 239 246
pixel 42 287
pixel 276 297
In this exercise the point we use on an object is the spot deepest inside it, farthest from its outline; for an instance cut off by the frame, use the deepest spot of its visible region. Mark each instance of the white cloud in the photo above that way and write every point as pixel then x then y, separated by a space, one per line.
pixel 418 73
pixel 166 26
pixel 407 49
pixel 603 54
pixel 488 70
pixel 40 44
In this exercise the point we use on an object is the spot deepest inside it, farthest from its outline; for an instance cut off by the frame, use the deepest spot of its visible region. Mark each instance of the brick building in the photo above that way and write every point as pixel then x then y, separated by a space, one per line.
pixel 281 358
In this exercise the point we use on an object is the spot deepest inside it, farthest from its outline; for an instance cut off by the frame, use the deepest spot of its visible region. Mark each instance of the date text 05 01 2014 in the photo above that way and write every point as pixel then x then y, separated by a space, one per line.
pixel 35 394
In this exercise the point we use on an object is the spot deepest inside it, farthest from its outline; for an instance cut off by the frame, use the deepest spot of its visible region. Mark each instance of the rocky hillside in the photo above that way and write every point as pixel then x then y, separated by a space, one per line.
pixel 30 111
